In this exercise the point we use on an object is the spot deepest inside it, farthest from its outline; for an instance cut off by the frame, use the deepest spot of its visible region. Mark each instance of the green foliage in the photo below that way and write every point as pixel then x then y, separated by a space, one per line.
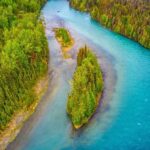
pixel 104 19
pixel 128 17
pixel 63 34
pixel 23 55
pixel 87 86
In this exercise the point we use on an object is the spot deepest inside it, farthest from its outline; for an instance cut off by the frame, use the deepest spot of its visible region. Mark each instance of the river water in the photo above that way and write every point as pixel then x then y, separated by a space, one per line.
pixel 122 121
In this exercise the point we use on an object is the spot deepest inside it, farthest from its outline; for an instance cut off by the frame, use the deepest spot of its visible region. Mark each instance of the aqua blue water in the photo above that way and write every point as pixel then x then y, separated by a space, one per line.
pixel 125 125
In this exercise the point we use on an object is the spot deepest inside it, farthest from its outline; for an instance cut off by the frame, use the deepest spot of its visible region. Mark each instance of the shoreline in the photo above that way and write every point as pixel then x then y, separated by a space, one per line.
pixel 20 117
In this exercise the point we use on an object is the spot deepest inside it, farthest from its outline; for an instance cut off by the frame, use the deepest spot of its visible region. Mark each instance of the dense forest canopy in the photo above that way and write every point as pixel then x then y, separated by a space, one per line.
pixel 23 55
pixel 128 17
pixel 87 86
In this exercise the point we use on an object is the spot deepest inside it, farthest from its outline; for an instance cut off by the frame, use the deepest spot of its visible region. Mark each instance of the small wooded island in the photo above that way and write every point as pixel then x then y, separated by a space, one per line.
pixel 64 38
pixel 87 87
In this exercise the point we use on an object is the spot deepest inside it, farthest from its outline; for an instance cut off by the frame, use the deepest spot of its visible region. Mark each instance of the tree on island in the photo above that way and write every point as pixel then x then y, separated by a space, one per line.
pixel 86 90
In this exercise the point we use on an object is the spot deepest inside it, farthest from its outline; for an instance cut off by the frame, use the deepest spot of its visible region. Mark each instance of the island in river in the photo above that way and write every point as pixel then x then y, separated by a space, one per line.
pixel 87 87
pixel 63 36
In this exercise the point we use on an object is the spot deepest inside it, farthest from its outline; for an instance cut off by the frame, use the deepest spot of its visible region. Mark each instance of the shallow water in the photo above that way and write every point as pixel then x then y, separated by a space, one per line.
pixel 123 120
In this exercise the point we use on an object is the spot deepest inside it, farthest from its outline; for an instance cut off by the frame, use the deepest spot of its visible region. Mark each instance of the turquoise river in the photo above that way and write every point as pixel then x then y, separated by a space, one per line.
pixel 122 121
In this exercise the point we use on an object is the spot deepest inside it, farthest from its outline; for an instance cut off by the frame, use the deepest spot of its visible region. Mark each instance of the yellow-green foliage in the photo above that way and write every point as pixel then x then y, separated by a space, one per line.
pixel 128 17
pixel 63 34
pixel 87 86
pixel 23 55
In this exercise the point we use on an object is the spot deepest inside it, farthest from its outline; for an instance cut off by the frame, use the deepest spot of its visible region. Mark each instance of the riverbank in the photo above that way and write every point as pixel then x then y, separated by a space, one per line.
pixel 122 17
pixel 24 57
pixel 20 117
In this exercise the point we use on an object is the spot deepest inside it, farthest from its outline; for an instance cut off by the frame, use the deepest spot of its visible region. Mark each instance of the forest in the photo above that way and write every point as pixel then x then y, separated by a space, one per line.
pixel 23 55
pixel 86 89
pixel 130 18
